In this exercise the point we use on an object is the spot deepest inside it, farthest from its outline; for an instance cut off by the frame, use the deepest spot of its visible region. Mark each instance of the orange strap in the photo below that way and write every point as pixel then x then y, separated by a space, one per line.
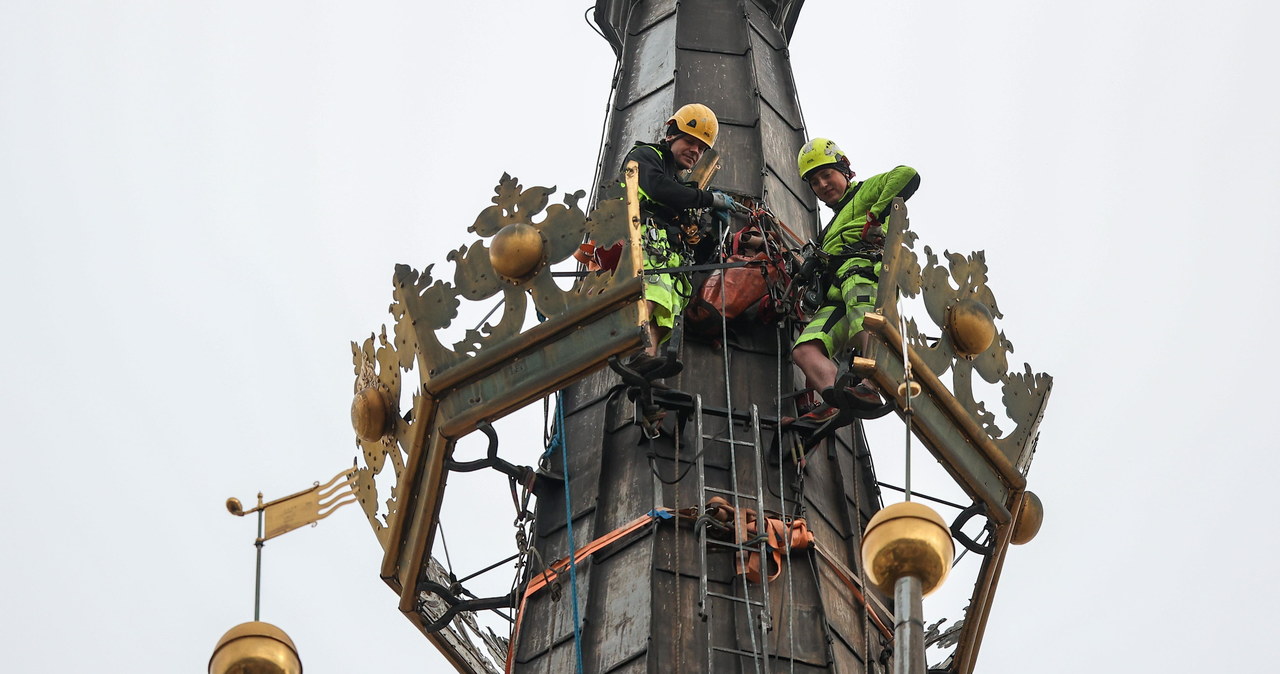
pixel 553 570
pixel 778 534
pixel 844 575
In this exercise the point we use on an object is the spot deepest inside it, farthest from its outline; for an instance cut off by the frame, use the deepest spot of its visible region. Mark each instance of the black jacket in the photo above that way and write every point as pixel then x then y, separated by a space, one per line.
pixel 661 194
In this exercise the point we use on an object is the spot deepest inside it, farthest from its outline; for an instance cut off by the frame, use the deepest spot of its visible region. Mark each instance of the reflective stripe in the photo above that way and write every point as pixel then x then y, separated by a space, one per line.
pixel 668 292
pixel 840 316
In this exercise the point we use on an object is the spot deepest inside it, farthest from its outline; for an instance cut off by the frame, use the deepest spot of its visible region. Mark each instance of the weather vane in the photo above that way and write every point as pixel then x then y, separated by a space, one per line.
pixel 258 647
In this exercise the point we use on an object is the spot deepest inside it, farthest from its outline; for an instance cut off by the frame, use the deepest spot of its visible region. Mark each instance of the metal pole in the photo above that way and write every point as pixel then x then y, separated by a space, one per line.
pixel 257 580
pixel 908 627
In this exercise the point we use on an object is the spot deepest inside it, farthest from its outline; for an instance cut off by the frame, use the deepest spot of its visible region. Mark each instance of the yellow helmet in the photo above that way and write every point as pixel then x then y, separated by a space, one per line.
pixel 698 121
pixel 819 153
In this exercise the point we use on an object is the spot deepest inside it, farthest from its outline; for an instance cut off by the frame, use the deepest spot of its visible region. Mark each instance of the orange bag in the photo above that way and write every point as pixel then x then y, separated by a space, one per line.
pixel 743 293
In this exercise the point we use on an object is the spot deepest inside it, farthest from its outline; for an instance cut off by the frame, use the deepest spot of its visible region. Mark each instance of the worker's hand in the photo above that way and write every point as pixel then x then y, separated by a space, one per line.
pixel 873 231
pixel 723 202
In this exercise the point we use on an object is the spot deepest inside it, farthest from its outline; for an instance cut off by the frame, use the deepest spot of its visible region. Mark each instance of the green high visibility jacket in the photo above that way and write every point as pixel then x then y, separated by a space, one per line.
pixel 660 193
pixel 875 194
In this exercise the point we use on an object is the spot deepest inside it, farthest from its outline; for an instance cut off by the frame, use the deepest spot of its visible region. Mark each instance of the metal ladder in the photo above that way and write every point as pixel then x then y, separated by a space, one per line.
pixel 756 610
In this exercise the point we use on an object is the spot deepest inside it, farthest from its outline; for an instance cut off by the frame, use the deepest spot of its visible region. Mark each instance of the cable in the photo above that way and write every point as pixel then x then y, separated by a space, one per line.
pixel 782 505
pixel 591 24
pixel 559 438
pixel 491 311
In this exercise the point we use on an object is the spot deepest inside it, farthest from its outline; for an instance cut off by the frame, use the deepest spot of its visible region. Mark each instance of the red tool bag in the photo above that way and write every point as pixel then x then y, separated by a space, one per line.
pixel 743 293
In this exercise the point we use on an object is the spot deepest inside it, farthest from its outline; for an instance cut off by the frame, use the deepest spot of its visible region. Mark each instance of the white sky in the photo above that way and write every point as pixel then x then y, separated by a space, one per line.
pixel 202 203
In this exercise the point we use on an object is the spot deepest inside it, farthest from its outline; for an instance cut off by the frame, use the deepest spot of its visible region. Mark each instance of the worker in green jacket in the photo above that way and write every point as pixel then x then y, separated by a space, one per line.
pixel 836 327
pixel 690 132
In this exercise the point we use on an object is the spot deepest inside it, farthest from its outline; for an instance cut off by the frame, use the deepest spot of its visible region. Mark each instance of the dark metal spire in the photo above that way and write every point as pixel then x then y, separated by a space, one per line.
pixel 730 55
pixel 651 603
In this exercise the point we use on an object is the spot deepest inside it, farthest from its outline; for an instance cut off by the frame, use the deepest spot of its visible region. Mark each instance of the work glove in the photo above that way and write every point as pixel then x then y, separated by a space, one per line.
pixel 873 231
pixel 723 202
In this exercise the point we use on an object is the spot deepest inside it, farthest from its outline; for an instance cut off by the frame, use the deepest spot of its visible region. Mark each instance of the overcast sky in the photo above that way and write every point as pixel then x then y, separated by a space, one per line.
pixel 202 203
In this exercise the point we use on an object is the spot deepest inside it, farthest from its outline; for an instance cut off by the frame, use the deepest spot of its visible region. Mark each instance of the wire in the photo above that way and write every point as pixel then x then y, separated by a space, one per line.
pixel 491 312
pixel 923 496
pixel 445 544
pixel 591 24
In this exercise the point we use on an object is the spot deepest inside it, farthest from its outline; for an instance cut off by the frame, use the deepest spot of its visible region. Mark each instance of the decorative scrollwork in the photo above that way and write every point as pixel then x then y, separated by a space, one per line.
pixel 962 281
pixel 423 305
pixel 378 369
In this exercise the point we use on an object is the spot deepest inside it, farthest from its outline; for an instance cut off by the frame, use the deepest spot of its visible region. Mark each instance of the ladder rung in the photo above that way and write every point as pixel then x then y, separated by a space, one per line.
pixel 740 600
pixel 734 651
pixel 752 548
pixel 730 492
pixel 727 441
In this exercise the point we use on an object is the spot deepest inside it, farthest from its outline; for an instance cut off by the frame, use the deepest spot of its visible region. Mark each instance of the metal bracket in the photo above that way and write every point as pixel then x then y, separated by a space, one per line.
pixel 978 508
pixel 641 385
pixel 457 605
pixel 522 474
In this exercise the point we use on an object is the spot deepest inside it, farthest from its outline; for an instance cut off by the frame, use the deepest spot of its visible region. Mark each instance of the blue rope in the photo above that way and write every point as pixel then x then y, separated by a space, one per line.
pixel 557 440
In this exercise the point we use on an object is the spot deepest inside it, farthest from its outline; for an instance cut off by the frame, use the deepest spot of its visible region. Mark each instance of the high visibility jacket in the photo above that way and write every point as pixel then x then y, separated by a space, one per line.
pixel 875 194
pixel 661 195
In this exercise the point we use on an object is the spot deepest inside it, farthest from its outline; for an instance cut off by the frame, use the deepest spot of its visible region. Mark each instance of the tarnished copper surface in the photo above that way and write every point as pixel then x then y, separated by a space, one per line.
pixel 378 366
pixel 989 462
pixel 962 280
pixel 944 425
pixel 497 367
pixel 423 305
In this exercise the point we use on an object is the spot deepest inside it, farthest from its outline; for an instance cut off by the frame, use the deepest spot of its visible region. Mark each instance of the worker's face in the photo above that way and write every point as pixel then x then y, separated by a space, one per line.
pixel 687 150
pixel 828 185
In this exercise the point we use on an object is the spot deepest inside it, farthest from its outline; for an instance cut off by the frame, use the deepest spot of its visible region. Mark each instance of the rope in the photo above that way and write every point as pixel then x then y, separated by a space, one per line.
pixel 862 572
pixel 906 412
pixel 558 439
pixel 675 539
pixel 782 506
pixel 733 471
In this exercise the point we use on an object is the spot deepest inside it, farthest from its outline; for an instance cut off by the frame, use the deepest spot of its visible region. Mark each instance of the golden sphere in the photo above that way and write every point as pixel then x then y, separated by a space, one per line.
pixel 255 648
pixel 907 539
pixel 234 507
pixel 971 327
pixel 370 412
pixel 517 251
pixel 1030 517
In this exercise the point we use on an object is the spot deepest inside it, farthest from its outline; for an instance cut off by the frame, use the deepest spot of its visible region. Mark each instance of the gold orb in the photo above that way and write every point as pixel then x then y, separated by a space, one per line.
pixel 235 507
pixel 971 327
pixel 516 251
pixel 370 414
pixel 255 648
pixel 1030 517
pixel 907 539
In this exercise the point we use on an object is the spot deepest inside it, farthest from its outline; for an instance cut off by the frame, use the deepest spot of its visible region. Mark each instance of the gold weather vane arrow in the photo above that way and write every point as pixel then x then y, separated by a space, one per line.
pixel 308 506
pixel 253 645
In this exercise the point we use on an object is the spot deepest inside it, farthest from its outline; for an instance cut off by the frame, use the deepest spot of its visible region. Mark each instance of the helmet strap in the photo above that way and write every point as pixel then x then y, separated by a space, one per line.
pixel 843 166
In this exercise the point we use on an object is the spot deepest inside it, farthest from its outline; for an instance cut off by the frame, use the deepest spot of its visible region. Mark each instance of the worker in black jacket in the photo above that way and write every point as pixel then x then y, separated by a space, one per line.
pixel 690 132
